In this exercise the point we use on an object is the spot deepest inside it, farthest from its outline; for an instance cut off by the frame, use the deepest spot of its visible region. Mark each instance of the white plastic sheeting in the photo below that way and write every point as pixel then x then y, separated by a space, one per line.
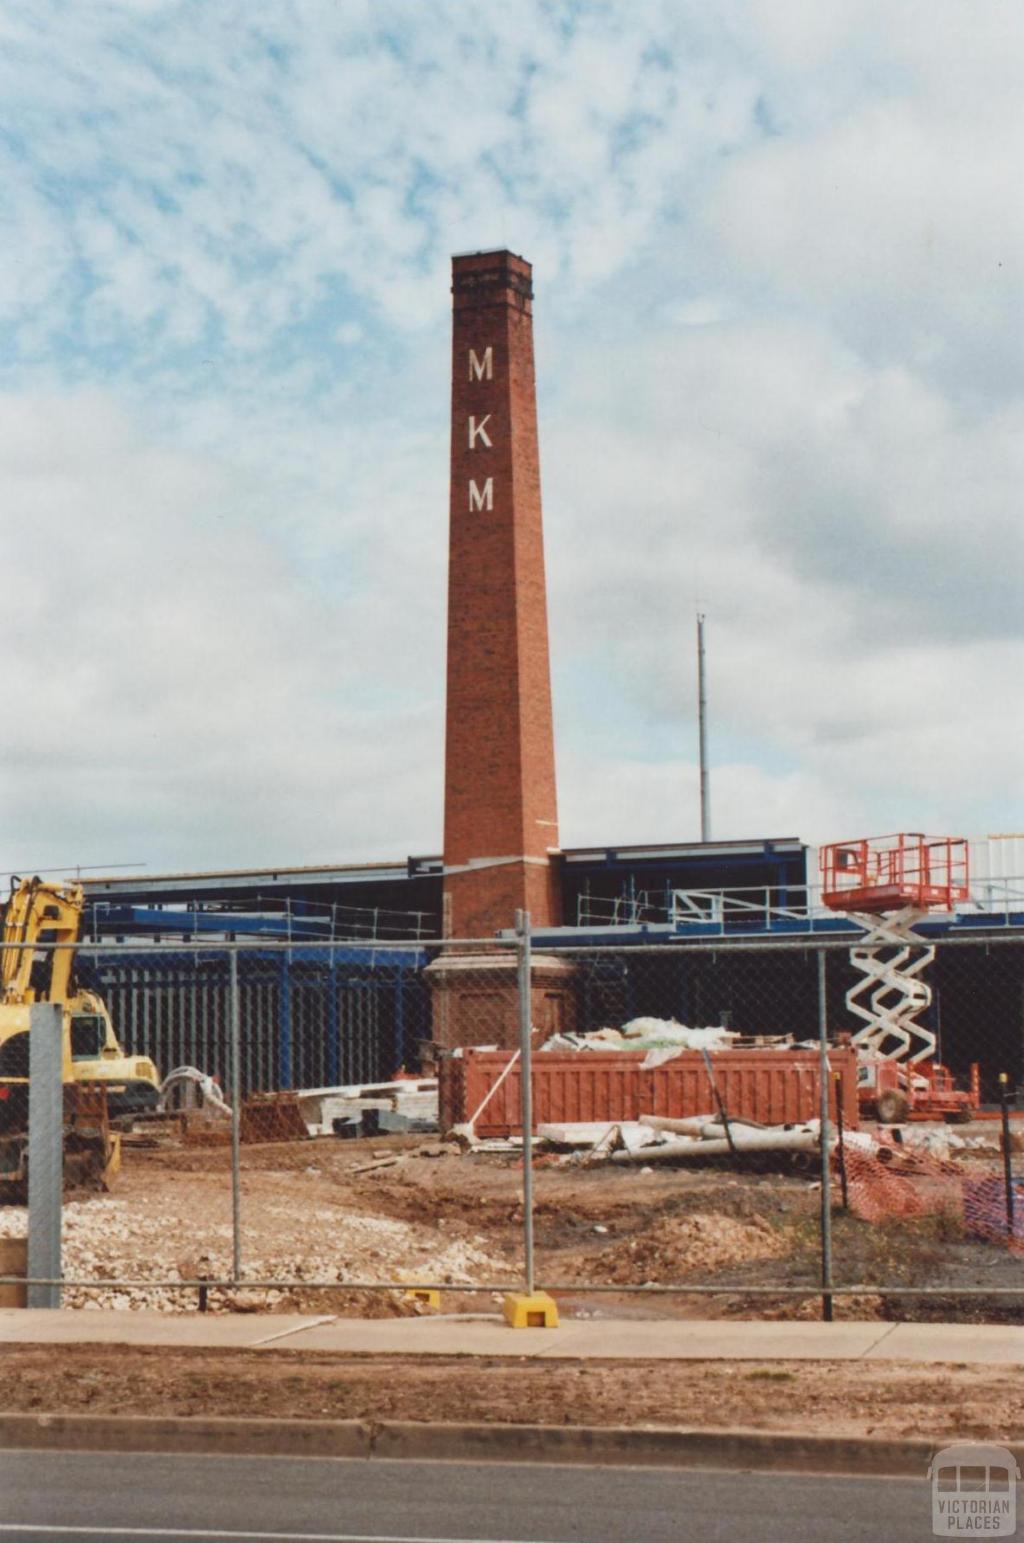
pixel 654 1034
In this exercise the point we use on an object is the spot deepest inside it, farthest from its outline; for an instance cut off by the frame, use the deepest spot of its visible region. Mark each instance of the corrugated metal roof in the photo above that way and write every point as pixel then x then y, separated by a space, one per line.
pixel 329 873
pixel 397 869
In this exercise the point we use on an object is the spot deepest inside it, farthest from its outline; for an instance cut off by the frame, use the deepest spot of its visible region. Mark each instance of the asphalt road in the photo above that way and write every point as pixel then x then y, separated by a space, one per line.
pixel 86 1496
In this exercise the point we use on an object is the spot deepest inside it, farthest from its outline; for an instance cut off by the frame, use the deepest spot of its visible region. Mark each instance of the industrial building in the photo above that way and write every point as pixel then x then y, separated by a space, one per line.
pixel 359 1009
pixel 687 889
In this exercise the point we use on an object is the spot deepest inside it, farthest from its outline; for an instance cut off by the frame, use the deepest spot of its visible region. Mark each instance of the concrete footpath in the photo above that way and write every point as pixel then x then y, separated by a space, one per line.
pixel 488 1335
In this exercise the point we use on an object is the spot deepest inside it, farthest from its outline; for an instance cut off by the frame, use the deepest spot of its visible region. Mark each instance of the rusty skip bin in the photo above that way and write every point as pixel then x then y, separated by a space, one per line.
pixel 774 1087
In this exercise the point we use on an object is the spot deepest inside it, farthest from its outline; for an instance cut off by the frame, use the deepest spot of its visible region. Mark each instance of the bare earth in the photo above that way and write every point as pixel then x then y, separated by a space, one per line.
pixel 844 1398
pixel 310 1215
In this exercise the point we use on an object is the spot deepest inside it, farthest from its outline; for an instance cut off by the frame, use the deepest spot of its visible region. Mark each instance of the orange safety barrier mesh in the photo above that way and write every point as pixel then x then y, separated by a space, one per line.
pixel 896 1183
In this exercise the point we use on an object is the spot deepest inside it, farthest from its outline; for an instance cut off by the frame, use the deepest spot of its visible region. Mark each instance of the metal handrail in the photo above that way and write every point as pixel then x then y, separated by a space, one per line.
pixel 999 898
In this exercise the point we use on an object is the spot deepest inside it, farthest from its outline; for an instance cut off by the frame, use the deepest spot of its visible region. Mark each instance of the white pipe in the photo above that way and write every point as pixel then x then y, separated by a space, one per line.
pixel 699 1124
pixel 691 1126
pixel 714 1130
pixel 743 1141
pixel 799 1140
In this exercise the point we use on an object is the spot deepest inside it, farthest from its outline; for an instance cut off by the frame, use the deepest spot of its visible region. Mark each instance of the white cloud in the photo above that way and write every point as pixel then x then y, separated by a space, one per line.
pixel 852 535
pixel 777 253
pixel 887 201
pixel 234 161
pixel 179 684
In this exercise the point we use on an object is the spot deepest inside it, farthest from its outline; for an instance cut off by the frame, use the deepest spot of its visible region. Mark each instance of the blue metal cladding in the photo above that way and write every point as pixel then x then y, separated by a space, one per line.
pixel 309 1017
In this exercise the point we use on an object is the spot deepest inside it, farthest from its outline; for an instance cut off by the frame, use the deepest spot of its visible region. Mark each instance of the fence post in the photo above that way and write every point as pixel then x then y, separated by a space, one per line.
pixel 236 1118
pixel 333 1032
pixel 826 1198
pixel 45 1151
pixel 284 1049
pixel 1004 1111
pixel 526 1088
pixel 399 997
pixel 844 1187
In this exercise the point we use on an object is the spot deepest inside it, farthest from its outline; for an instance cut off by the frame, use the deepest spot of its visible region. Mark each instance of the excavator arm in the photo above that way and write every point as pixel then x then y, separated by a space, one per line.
pixel 37 914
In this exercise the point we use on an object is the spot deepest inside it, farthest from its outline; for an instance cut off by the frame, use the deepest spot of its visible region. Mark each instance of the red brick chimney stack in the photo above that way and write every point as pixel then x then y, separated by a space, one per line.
pixel 501 814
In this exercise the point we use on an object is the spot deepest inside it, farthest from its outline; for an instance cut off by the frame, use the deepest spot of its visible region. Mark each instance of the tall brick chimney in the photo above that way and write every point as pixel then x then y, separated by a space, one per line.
pixel 501 815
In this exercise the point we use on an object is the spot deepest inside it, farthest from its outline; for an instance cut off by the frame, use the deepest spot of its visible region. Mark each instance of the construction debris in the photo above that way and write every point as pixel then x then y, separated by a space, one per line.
pixel 307 1216
pixel 685 1148
pixel 386 1162
pixel 653 1139
pixel 407 1105
pixel 272 1117
pixel 646 1034
pixel 582 1133
pixel 939 1140
pixel 691 1125
pixel 186 1087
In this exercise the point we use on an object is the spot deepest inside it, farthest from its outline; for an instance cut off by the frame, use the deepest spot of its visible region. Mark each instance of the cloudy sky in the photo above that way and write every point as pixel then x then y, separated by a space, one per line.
pixel 777 252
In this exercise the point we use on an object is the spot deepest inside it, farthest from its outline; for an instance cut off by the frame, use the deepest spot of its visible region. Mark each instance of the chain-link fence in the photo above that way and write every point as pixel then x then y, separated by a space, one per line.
pixel 712 1194
pixel 717 1127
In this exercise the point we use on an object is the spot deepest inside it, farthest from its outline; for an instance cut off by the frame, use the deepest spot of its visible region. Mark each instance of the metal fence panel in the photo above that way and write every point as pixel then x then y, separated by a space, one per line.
pixel 311 1180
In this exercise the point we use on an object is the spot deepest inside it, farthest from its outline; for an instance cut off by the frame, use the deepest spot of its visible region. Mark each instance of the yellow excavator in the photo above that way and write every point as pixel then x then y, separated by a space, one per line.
pixel 39 930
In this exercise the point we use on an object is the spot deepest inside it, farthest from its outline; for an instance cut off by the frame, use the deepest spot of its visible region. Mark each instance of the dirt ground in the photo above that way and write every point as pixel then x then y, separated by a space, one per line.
pixel 856 1398
pixel 321 1210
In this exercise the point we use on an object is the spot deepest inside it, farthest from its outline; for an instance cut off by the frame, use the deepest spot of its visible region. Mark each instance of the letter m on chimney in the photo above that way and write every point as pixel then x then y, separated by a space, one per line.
pixel 481 498
pixel 481 369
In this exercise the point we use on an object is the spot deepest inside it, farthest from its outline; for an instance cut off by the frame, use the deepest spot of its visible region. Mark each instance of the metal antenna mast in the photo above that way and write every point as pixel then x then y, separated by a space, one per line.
pixel 702 723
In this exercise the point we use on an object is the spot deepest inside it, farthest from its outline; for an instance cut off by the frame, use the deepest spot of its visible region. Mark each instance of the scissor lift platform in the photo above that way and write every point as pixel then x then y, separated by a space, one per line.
pixel 888 873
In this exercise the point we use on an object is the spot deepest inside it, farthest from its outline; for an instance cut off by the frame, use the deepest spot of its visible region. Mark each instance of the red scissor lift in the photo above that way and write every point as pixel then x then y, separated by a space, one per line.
pixel 888 884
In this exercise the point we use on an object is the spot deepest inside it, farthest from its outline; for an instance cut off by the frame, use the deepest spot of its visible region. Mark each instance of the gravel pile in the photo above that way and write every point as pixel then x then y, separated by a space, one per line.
pixel 673 1248
pixel 107 1238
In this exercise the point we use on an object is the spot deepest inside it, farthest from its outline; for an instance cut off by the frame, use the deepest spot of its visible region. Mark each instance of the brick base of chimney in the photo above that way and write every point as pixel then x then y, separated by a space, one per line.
pixel 475 998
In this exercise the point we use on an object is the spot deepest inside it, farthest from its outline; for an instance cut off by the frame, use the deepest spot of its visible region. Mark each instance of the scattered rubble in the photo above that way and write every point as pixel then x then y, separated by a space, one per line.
pixel 272 1117
pixel 940 1141
pixel 181 1230
pixel 407 1105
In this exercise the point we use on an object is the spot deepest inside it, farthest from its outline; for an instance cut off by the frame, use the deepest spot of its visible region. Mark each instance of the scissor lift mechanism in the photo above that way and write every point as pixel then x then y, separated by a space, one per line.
pixel 891 996
pixel 888 885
